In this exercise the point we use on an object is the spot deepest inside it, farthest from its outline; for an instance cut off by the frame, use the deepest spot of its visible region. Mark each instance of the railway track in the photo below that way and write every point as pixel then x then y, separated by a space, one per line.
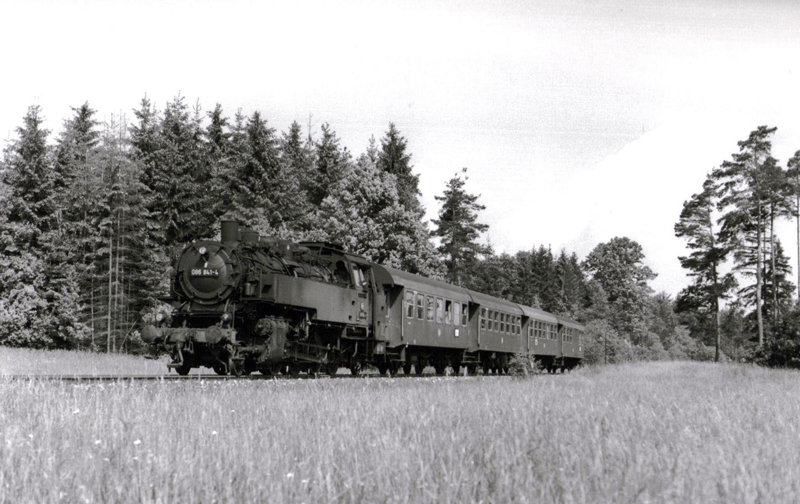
pixel 199 377
pixel 213 377
pixel 188 378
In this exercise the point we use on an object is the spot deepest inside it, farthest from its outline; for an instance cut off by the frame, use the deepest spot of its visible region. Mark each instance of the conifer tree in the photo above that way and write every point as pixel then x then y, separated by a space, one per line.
pixel 393 159
pixel 363 212
pixel 744 202
pixel 711 285
pixel 459 229
pixel 793 177
pixel 38 290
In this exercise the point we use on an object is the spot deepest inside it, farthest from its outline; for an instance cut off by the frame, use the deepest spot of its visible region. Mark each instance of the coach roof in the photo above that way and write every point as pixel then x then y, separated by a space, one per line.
pixel 495 303
pixel 422 284
pixel 540 315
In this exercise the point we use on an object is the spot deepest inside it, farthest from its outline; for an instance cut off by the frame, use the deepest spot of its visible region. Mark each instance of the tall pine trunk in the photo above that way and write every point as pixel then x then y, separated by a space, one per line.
pixel 759 279
pixel 772 263
pixel 109 345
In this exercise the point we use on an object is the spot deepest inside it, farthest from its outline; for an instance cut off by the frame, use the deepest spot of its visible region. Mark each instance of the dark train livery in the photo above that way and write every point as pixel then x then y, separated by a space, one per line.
pixel 249 303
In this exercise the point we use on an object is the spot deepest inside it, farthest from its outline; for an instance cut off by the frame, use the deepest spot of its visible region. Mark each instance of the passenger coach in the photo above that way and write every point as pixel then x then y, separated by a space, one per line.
pixel 429 322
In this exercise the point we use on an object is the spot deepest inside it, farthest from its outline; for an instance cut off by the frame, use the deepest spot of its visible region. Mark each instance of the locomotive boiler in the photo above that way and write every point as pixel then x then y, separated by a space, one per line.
pixel 250 303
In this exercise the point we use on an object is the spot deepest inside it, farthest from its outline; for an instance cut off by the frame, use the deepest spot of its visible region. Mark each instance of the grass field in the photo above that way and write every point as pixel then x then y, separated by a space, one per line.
pixel 663 432
pixel 17 361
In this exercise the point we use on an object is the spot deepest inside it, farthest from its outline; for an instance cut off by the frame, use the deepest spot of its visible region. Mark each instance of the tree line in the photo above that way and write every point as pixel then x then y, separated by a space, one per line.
pixel 742 290
pixel 91 219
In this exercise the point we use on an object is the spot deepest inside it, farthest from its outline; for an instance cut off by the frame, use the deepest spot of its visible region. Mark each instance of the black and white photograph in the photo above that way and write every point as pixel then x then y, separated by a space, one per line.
pixel 447 251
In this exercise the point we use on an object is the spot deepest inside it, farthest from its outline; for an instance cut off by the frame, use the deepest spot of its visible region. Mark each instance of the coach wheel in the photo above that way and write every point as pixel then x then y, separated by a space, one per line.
pixel 382 368
pixel 294 369
pixel 440 369
pixel 331 368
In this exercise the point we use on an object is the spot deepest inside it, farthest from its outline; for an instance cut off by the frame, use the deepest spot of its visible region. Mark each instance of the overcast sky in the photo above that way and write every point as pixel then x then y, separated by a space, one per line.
pixel 578 120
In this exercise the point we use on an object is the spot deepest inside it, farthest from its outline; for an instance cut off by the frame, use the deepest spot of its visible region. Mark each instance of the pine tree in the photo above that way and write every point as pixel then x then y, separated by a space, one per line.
pixel 363 212
pixel 77 164
pixel 793 177
pixel 459 229
pixel 150 260
pixel 744 203
pixel 393 159
pixel 708 254
pixel 219 155
pixel 297 158
pixel 38 288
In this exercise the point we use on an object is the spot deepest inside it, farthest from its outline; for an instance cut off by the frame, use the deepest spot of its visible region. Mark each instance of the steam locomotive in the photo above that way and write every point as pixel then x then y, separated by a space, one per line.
pixel 249 303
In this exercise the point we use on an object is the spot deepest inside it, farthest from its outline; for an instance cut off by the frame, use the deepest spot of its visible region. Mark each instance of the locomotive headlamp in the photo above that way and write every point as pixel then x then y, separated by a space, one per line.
pixel 226 317
pixel 159 317
pixel 203 251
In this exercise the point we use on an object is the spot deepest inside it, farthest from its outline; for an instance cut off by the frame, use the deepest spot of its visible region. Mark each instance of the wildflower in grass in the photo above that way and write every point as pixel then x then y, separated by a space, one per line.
pixel 137 442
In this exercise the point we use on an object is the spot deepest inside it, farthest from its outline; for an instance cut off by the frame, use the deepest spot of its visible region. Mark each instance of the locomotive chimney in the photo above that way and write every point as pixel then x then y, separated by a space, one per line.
pixel 229 229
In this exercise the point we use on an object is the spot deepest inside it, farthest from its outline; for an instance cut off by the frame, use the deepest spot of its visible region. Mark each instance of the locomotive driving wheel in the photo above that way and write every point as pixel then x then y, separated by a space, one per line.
pixel 183 369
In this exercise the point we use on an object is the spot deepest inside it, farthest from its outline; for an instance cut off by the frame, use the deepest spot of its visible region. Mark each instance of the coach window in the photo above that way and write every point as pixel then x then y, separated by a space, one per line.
pixel 420 306
pixel 439 310
pixel 484 316
pixel 464 314
pixel 448 312
pixel 496 321
pixel 430 308
pixel 409 304
pixel 502 322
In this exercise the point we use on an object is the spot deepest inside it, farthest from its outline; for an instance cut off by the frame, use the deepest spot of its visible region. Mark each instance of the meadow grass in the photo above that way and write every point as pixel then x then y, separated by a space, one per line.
pixel 21 361
pixel 662 432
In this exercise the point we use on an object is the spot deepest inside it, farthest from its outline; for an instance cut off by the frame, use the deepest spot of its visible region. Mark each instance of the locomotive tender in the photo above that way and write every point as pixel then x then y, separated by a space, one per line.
pixel 250 303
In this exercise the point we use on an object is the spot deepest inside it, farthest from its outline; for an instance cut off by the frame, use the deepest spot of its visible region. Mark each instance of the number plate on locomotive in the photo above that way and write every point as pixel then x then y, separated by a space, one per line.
pixel 205 272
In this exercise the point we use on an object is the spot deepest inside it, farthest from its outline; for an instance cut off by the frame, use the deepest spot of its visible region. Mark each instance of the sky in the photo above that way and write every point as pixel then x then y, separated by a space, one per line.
pixel 578 121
